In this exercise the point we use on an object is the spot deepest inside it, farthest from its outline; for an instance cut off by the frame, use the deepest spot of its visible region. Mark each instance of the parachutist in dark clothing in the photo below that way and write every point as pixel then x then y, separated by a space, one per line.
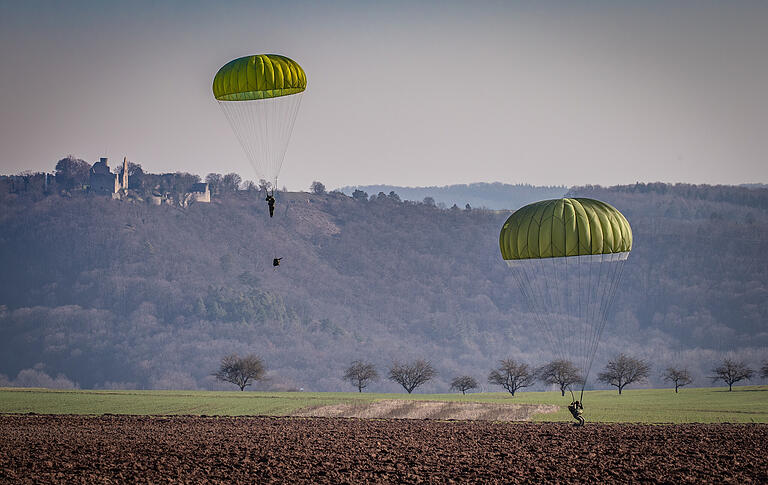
pixel 271 203
pixel 276 262
pixel 577 409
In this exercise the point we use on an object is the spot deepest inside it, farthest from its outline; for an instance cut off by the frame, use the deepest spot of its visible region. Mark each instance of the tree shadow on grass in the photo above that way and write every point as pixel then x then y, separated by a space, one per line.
pixel 742 390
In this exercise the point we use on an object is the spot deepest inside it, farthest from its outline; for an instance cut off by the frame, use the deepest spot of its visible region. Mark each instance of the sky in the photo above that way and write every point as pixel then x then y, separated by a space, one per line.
pixel 403 93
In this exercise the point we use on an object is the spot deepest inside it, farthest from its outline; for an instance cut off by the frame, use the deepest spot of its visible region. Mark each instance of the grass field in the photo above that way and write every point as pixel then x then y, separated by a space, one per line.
pixel 745 404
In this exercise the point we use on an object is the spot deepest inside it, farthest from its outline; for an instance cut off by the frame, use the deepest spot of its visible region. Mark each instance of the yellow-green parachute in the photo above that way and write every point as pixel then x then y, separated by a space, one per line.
pixel 567 256
pixel 259 77
pixel 260 95
pixel 565 227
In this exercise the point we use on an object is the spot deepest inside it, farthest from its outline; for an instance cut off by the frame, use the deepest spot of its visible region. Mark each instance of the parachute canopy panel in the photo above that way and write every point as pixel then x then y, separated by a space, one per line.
pixel 565 227
pixel 259 76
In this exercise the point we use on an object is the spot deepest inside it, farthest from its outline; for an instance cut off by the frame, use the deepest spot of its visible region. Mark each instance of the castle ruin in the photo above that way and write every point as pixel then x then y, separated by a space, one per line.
pixel 103 181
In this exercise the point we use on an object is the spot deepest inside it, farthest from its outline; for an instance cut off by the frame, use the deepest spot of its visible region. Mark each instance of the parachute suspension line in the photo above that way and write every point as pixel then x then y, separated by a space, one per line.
pixel 618 271
pixel 552 286
pixel 557 297
pixel 588 320
pixel 264 127
pixel 590 330
pixel 580 289
pixel 529 268
pixel 591 318
pixel 585 273
pixel 593 297
pixel 552 301
pixel 571 319
pixel 564 303
pixel 287 129
pixel 601 312
pixel 583 311
pixel 534 281
pixel 568 286
pixel 605 303
pixel 242 125
pixel 598 311
pixel 562 336
pixel 541 294
pixel 529 291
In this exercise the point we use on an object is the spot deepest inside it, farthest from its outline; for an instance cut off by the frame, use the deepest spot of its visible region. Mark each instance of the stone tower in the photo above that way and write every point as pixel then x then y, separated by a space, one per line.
pixel 124 181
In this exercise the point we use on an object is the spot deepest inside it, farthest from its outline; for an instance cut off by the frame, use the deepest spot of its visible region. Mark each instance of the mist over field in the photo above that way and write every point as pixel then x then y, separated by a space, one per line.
pixel 102 293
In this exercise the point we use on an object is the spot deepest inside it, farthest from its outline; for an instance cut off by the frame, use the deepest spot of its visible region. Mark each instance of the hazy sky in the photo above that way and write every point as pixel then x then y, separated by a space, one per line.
pixel 405 93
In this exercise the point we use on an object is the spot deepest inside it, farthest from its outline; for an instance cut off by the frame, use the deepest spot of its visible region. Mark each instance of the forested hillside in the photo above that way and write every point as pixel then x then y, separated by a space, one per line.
pixel 122 294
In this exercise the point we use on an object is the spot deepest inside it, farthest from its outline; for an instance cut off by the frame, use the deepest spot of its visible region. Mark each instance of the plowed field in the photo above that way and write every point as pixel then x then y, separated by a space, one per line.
pixel 57 449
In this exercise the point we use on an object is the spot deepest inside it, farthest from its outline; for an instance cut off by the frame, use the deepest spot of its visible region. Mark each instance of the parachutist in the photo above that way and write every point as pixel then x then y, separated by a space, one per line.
pixel 547 273
pixel 276 262
pixel 261 106
pixel 271 203
pixel 577 409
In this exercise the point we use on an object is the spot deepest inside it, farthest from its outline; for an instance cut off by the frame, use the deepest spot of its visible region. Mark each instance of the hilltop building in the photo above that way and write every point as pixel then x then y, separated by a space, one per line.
pixel 200 192
pixel 103 181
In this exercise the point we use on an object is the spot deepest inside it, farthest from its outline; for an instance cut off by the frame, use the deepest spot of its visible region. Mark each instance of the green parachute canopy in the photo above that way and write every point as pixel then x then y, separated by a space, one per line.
pixel 258 77
pixel 565 227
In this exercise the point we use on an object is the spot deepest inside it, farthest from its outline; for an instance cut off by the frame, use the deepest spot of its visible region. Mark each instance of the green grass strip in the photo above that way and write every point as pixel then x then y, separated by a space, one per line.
pixel 746 404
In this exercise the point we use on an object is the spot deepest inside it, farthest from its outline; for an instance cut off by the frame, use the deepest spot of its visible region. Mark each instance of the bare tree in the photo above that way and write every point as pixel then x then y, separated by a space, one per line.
pixel 680 377
pixel 214 182
pixel 361 373
pixel 512 375
pixel 624 370
pixel 560 372
pixel 317 188
pixel 135 176
pixel 240 371
pixel 464 383
pixel 72 172
pixel 231 182
pixel 764 369
pixel 411 375
pixel 731 372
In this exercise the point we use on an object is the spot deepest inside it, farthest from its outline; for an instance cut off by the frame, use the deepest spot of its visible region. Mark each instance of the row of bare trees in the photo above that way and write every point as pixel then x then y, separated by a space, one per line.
pixel 513 375
pixel 410 375
pixel 510 374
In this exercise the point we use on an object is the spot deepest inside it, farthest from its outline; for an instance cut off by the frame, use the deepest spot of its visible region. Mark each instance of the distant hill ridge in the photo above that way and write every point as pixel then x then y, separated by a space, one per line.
pixel 478 195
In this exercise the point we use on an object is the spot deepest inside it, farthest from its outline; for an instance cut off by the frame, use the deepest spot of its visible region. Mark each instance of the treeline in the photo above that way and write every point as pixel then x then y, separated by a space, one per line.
pixel 511 375
pixel 72 174
pixel 120 293
pixel 479 195
pixel 756 196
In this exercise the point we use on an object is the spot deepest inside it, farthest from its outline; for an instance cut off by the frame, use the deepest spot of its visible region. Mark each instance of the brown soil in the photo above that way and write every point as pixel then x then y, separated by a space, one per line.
pixel 116 449
pixel 399 408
